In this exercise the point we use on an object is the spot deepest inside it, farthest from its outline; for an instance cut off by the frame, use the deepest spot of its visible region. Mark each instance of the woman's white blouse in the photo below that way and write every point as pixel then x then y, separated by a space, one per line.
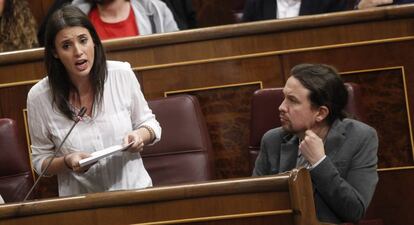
pixel 123 109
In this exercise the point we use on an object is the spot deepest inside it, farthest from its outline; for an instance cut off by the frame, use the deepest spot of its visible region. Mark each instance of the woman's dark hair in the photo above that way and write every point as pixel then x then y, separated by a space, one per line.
pixel 59 81
pixel 325 86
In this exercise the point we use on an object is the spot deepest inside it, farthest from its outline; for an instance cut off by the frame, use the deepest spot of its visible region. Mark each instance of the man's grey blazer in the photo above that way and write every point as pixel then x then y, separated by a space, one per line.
pixel 344 182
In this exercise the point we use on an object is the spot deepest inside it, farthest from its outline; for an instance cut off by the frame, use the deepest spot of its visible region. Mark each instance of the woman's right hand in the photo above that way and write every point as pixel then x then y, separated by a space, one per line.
pixel 71 161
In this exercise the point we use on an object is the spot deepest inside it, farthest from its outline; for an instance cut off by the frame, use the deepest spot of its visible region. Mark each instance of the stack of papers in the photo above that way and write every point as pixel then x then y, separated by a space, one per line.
pixel 102 154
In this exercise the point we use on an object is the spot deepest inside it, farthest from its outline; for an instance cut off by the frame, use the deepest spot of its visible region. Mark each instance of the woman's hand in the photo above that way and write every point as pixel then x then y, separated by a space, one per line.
pixel 138 141
pixel 71 161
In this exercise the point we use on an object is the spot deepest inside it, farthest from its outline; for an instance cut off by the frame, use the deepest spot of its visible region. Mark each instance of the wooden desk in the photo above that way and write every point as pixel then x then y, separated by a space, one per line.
pixel 282 199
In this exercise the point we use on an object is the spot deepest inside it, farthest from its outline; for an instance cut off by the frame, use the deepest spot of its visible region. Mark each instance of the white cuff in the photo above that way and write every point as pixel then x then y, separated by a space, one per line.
pixel 317 163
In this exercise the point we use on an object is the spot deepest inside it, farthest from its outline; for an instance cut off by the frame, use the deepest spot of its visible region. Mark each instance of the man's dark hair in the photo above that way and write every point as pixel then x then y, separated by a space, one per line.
pixel 59 81
pixel 325 86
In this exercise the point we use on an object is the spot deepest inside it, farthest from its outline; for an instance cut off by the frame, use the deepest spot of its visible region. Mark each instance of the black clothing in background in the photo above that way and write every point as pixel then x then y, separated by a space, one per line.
pixel 255 10
pixel 183 13
pixel 400 2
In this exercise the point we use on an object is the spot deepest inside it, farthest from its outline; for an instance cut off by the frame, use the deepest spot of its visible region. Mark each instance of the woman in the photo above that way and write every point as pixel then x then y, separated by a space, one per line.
pixel 78 75
pixel 17 26
pixel 125 18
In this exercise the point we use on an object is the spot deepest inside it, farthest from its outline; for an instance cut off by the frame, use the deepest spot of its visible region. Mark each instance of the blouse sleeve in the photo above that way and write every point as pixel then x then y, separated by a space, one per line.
pixel 141 114
pixel 41 144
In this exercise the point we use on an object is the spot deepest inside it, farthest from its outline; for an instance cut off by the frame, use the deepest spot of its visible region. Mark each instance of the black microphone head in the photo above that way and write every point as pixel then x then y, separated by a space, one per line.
pixel 82 111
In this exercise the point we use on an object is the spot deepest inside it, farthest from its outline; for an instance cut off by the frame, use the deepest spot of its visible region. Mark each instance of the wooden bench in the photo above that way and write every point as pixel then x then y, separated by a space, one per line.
pixel 280 199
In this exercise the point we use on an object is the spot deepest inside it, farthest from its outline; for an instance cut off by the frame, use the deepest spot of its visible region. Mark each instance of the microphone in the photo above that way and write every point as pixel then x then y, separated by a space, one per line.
pixel 78 118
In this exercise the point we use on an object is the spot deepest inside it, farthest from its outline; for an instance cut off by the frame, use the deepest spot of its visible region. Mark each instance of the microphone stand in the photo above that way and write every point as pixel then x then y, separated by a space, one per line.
pixel 78 118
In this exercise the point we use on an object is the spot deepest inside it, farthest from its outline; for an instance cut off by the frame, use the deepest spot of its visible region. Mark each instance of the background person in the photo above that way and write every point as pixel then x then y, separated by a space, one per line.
pixel 255 10
pixel 144 12
pixel 123 18
pixel 17 26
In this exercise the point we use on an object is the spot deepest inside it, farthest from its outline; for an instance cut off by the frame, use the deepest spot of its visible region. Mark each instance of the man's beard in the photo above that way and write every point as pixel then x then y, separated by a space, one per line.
pixel 286 127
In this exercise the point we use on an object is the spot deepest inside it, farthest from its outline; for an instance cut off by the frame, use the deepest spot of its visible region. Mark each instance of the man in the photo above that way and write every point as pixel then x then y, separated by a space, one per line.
pixel 340 153
pixel 255 10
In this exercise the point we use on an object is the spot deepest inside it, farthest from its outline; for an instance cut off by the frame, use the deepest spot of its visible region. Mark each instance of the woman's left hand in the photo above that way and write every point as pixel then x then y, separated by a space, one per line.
pixel 135 137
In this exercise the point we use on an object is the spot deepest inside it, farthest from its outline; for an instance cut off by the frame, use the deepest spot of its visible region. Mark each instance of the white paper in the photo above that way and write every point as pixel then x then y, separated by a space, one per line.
pixel 95 156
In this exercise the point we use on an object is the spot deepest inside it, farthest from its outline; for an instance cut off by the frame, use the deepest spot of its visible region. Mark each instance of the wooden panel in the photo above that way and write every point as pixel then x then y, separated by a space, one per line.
pixel 238 201
pixel 223 12
pixel 226 109
pixel 39 8
pixel 12 73
pixel 386 109
pixel 12 103
pixel 393 199
pixel 227 114
pixel 213 44
pixel 158 80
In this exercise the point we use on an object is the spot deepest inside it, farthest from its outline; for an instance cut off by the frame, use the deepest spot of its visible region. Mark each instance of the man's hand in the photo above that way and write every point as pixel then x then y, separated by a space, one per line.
pixel 365 4
pixel 312 147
